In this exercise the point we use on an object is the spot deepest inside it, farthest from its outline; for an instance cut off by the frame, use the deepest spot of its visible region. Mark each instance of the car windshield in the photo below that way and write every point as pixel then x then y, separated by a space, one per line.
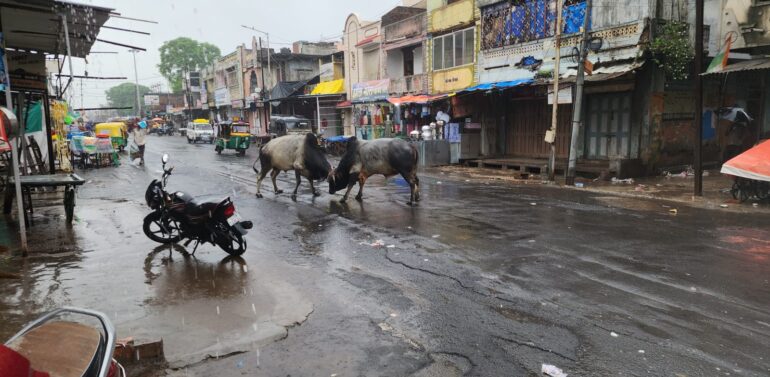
pixel 295 125
pixel 243 129
pixel 203 127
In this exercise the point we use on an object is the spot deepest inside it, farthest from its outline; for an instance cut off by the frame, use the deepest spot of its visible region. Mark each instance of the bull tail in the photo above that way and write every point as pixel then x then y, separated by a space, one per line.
pixel 259 158
pixel 415 155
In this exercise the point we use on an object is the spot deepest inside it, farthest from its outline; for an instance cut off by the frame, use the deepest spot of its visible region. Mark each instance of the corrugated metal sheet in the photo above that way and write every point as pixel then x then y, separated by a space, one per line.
pixel 748 65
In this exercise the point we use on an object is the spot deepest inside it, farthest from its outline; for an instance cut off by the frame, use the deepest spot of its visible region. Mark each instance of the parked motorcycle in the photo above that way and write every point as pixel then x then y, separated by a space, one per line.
pixel 179 216
pixel 52 346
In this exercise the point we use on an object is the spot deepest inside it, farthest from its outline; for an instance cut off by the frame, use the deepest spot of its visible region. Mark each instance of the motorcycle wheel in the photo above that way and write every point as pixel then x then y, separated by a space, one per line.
pixel 231 241
pixel 162 231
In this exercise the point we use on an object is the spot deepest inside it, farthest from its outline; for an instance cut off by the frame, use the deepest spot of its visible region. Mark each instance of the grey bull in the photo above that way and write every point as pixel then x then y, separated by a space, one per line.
pixel 363 159
pixel 300 153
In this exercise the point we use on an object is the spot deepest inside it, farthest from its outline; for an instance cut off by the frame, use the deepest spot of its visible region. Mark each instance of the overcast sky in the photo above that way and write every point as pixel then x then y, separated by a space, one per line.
pixel 218 22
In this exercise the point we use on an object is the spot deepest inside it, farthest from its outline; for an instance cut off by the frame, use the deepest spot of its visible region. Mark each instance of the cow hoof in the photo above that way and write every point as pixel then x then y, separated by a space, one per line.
pixel 294 197
pixel 316 193
pixel 259 196
pixel 411 204
pixel 279 192
pixel 359 198
pixel 343 200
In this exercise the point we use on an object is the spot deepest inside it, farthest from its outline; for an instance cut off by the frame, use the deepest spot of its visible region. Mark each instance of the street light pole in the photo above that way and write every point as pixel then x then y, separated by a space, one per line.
pixel 551 135
pixel 136 85
pixel 698 98
pixel 269 69
pixel 577 111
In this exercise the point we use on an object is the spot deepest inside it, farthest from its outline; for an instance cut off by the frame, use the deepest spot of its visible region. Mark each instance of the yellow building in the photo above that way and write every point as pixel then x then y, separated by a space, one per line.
pixel 453 45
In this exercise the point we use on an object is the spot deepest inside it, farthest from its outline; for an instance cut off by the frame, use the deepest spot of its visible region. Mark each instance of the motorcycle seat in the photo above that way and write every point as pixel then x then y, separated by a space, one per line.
pixel 203 205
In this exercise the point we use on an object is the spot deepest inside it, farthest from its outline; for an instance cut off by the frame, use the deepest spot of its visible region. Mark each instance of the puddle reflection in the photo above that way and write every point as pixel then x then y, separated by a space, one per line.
pixel 181 276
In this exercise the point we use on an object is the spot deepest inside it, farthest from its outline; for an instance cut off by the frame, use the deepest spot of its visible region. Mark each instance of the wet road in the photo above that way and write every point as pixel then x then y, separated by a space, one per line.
pixel 480 279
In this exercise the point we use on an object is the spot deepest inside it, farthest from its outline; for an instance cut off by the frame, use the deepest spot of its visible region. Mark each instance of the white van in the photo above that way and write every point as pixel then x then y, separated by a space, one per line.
pixel 200 132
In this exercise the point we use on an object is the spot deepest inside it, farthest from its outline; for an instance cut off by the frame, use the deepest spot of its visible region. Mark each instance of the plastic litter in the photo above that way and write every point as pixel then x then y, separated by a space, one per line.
pixel 673 211
pixel 436 235
pixel 579 185
pixel 378 243
pixel 391 246
pixel 613 334
pixel 724 206
pixel 616 181
pixel 552 371
pixel 533 204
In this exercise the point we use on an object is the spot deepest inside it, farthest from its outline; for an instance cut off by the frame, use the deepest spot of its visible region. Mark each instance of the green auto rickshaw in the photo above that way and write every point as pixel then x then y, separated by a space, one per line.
pixel 233 135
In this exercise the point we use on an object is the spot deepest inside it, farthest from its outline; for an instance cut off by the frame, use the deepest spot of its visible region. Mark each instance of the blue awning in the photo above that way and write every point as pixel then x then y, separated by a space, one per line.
pixel 497 85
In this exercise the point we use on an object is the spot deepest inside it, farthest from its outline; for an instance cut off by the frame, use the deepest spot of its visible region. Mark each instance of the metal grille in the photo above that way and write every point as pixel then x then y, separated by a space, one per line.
pixel 519 21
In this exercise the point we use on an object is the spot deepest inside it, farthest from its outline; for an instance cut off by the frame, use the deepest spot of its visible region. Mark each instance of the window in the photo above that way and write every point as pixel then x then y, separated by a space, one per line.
pixel 232 79
pixel 438 51
pixel 449 57
pixel 454 49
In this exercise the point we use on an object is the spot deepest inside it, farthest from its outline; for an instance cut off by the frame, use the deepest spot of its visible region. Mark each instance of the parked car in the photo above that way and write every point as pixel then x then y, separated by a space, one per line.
pixel 200 132
pixel 290 124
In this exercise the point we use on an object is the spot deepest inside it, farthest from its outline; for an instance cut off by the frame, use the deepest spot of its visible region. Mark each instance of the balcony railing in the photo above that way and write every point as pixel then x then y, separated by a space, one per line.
pixel 415 84
pixel 406 28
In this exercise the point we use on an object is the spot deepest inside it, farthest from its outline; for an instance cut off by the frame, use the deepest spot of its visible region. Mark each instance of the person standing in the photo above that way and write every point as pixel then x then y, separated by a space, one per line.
pixel 140 136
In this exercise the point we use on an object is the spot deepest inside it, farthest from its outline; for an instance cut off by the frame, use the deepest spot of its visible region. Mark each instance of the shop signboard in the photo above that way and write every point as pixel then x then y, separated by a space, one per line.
pixel 151 100
pixel 371 90
pixel 452 80
pixel 27 71
pixel 222 97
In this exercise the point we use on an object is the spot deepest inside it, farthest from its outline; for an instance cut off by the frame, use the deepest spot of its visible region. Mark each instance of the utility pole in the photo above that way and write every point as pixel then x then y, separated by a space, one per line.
pixel 551 134
pixel 269 70
pixel 577 109
pixel 136 79
pixel 698 98
pixel 265 118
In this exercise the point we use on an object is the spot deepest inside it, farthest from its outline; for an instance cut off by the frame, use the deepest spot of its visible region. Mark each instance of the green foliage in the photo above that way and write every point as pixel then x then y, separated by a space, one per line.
pixel 181 55
pixel 124 95
pixel 672 50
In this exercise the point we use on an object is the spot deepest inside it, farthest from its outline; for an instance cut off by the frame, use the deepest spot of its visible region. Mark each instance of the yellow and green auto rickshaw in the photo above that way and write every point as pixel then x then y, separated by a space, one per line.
pixel 233 135
pixel 118 132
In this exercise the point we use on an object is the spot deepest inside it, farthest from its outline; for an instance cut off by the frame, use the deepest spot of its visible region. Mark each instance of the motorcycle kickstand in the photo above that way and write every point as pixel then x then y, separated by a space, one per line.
pixel 196 247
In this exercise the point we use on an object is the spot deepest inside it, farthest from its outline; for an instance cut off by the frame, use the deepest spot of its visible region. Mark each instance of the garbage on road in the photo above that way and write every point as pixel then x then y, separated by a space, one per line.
pixel 673 211
pixel 552 371
pixel 616 181
pixel 378 243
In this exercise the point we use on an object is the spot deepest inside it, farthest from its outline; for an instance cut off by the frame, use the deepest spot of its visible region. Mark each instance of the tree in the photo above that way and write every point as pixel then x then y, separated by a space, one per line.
pixel 181 55
pixel 124 95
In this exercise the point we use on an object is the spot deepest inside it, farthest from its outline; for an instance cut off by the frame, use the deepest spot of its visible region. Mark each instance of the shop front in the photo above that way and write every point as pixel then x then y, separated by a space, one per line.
pixel 372 113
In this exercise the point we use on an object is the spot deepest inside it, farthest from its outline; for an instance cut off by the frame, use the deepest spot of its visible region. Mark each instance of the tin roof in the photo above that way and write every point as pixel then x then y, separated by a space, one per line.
pixel 747 65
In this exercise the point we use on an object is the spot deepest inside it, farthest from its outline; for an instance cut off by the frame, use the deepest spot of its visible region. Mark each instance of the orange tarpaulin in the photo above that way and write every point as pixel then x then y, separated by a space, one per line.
pixel 420 99
pixel 753 164
pixel 4 145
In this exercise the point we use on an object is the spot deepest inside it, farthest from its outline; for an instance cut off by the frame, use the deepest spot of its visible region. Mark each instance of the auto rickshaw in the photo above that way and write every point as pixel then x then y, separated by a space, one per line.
pixel 233 135
pixel 118 132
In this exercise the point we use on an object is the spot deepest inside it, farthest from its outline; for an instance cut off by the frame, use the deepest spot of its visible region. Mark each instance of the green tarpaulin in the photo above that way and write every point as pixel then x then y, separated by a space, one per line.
pixel 35 118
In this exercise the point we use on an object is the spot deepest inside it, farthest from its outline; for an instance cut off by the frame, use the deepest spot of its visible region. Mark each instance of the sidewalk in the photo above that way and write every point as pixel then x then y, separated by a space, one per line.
pixel 675 189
